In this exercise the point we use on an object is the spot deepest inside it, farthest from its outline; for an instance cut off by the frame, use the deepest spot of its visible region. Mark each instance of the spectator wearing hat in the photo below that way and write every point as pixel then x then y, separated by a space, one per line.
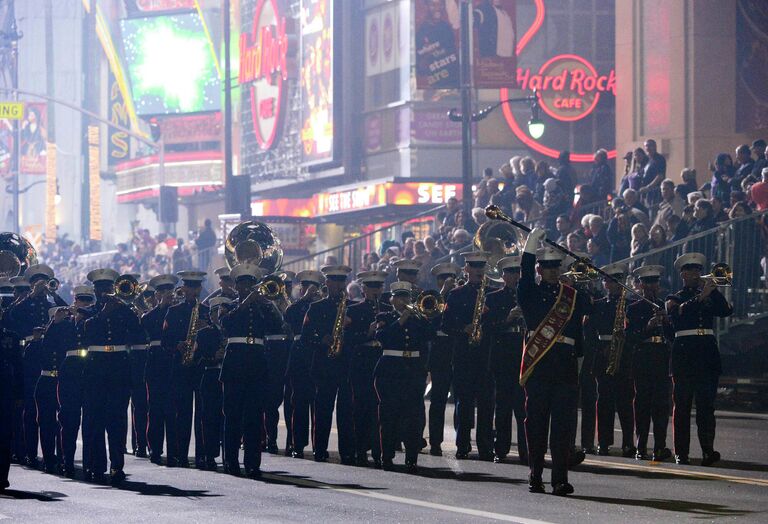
pixel 161 426
pixel 185 375
pixel 300 360
pixel 210 345
pixel 244 370
pixel 330 366
pixel 400 376
pixel 365 352
pixel 648 338
pixel 440 360
pixel 695 360
pixel 66 330
pixel 549 370
pixel 107 334
pixel 503 326
pixel 471 380
pixel 614 381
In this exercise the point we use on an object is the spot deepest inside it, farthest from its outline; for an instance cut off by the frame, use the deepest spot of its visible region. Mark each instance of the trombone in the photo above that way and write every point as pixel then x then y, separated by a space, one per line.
pixel 429 305
pixel 721 275
pixel 495 213
pixel 270 288
pixel 581 272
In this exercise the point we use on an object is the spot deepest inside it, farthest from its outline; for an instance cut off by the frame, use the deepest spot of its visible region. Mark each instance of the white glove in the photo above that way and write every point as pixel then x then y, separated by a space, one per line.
pixel 534 238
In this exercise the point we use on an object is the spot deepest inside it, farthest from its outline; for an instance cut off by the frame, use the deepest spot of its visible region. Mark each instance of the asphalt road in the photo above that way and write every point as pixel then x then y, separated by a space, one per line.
pixel 608 489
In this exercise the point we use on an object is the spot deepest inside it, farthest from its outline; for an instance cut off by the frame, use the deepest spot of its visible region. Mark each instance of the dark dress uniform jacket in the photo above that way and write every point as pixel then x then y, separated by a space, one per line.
pixel 600 322
pixel 412 336
pixel 318 323
pixel 257 320
pixel 647 355
pixel 460 307
pixel 177 326
pixel 536 300
pixel 696 355
pixel 298 360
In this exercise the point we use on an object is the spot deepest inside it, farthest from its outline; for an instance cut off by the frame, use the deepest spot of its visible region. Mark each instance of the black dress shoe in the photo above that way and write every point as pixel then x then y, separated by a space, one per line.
pixel 254 473
pixel 628 451
pixel 321 456
pixel 536 486
pixel 411 467
pixel 589 451
pixel 51 469
pixel 361 461
pixel 682 460
pixel 486 457
pixel 210 465
pixel 642 454
pixel 99 478
pixel 562 489
pixel 436 451
pixel 183 463
pixel 347 461
pixel 171 462
pixel 69 471
pixel 387 465
pixel 710 458
pixel 156 459
pixel 298 453
pixel 232 469
pixel 140 453
pixel 32 462
pixel 499 459
pixel 116 477
pixel 462 455
pixel 603 451
pixel 288 452
pixel 87 476
pixel 576 458
pixel 272 449
pixel 660 455
pixel 377 463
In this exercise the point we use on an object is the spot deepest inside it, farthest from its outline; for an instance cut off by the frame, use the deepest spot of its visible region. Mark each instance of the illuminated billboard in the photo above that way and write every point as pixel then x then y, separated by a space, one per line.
pixel 171 65
pixel 318 67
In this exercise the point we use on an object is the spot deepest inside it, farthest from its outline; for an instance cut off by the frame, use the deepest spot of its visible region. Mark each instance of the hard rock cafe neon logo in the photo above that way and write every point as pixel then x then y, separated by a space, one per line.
pixel 264 64
pixel 569 86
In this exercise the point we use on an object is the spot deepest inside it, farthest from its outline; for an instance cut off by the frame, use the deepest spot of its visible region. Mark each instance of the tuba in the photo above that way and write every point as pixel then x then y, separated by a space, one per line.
pixel 255 242
pixel 16 255
pixel 500 240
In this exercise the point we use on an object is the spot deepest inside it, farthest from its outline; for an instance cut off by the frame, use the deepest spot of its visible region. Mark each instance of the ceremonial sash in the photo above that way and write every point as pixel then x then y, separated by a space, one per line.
pixel 548 331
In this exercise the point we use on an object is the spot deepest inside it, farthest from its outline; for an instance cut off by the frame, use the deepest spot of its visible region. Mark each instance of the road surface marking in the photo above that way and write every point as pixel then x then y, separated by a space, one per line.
pixel 404 500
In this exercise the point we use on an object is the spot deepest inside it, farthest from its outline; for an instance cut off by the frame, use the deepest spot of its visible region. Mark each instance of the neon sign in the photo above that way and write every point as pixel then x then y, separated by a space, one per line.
pixel 264 64
pixel 569 89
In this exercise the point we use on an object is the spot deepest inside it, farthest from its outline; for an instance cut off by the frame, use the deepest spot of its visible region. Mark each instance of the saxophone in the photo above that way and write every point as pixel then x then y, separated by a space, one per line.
pixel 338 328
pixel 477 328
pixel 618 336
pixel 190 343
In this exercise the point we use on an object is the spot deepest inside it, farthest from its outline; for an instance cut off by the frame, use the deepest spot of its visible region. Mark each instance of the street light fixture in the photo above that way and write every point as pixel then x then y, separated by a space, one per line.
pixel 535 124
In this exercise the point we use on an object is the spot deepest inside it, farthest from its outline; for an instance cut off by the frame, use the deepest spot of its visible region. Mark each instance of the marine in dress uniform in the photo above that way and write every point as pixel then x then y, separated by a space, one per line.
pixel 107 377
pixel 288 278
pixel 68 333
pixel 649 332
pixel 551 388
pixel 471 374
pixel 161 425
pixel 185 373
pixel 400 375
pixel 10 389
pixel 226 285
pixel 6 294
pixel 365 350
pixel 276 349
pixel 244 370
pixel 300 361
pixel 28 317
pixel 440 361
pixel 330 372
pixel 695 360
pixel 21 289
pixel 615 393
pixel 503 324
pixel 211 342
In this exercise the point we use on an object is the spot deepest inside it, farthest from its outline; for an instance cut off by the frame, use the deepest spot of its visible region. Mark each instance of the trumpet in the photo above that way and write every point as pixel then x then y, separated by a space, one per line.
pixel 721 275
pixel 53 285
pixel 581 272
pixel 270 288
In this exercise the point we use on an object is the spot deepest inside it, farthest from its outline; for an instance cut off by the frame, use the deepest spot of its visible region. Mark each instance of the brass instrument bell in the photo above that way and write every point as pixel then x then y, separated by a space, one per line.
pixel 721 275
pixel 255 242
pixel 581 272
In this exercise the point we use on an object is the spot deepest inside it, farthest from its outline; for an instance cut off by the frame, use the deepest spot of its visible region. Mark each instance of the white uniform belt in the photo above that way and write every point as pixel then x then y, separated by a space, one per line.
pixel 155 344
pixel 49 373
pixel 138 347
pixel 217 366
pixel 82 352
pixel 605 337
pixel 296 337
pixel 252 341
pixel 654 340
pixel 566 340
pixel 107 349
pixel 276 337
pixel 513 329
pixel 694 332
pixel 30 338
pixel 372 344
pixel 442 334
pixel 399 353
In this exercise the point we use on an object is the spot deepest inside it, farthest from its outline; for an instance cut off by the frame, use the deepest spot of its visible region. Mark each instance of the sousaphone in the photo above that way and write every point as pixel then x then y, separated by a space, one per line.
pixel 16 255
pixel 500 239
pixel 254 242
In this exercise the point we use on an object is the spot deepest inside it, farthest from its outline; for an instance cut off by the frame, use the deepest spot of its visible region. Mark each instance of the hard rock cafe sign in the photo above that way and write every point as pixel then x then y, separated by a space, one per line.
pixel 264 65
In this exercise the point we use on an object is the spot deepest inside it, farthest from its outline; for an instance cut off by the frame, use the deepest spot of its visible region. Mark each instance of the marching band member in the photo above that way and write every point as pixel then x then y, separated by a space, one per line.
pixel 10 390
pixel 288 278
pixel 695 360
pixel 276 349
